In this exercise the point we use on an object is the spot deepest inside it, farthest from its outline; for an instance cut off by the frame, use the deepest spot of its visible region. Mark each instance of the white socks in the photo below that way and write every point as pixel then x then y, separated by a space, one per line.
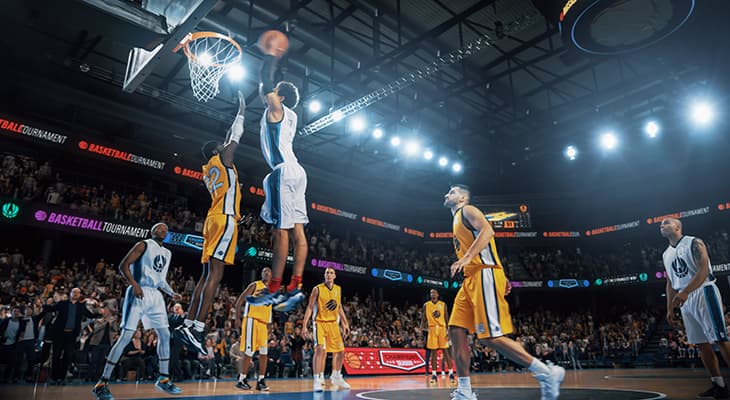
pixel 464 385
pixel 538 367
pixel 718 380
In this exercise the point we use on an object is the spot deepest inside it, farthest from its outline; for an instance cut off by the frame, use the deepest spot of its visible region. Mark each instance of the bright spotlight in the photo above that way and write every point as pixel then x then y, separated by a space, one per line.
pixel 314 106
pixel 357 123
pixel 236 73
pixel 395 141
pixel 571 153
pixel 443 161
pixel 703 113
pixel 456 167
pixel 412 147
pixel 337 115
pixel 205 59
pixel 428 154
pixel 651 129
pixel 609 141
pixel 377 133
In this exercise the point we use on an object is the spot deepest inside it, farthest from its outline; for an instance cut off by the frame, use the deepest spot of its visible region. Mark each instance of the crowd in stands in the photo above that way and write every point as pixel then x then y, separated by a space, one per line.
pixel 29 287
pixel 28 179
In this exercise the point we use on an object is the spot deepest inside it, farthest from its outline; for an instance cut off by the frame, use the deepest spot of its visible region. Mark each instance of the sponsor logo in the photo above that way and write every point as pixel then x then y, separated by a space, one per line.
pixel 405 360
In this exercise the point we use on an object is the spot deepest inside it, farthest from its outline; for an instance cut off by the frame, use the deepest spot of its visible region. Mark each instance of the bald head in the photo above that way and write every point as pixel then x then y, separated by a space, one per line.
pixel 671 228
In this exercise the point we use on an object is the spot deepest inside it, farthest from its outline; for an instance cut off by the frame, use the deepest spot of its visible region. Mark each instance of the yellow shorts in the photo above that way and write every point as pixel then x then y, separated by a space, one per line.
pixel 480 306
pixel 220 236
pixel 254 336
pixel 437 338
pixel 328 334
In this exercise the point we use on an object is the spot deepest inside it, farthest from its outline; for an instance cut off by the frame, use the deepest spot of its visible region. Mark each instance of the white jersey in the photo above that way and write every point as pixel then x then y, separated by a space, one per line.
pixel 150 270
pixel 277 138
pixel 680 265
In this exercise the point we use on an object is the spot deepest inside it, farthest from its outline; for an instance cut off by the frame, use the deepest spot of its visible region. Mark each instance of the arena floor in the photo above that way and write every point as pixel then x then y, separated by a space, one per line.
pixel 602 384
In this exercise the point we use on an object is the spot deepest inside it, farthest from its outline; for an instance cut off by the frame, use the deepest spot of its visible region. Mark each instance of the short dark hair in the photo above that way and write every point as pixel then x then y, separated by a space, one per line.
pixel 209 149
pixel 463 188
pixel 290 93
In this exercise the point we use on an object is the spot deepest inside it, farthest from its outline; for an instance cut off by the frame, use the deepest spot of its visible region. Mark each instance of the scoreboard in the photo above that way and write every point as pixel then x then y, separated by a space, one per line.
pixel 507 216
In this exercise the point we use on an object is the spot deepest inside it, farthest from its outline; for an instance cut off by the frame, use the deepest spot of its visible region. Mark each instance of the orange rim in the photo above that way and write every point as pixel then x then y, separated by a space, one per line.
pixel 191 37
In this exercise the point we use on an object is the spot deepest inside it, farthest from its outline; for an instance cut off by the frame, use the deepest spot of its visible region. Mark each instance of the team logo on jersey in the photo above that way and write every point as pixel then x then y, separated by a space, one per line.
pixel 680 268
pixel 159 263
pixel 436 314
pixel 480 328
pixel 331 305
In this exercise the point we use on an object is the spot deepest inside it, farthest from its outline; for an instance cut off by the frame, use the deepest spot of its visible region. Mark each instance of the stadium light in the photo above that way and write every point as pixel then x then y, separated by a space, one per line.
pixel 443 161
pixel 235 73
pixel 205 59
pixel 609 141
pixel 702 113
pixel 651 129
pixel 412 147
pixel 314 106
pixel 571 153
pixel 357 123
pixel 456 167
pixel 428 154
pixel 395 141
pixel 377 133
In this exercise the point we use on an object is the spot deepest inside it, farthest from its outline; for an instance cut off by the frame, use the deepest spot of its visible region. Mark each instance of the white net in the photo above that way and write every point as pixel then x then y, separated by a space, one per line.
pixel 209 58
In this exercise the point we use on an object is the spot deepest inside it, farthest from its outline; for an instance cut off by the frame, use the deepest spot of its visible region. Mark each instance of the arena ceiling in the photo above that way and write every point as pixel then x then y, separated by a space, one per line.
pixel 506 112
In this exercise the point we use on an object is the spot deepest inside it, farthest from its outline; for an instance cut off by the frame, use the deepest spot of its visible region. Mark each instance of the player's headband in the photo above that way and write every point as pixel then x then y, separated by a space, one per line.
pixel 156 225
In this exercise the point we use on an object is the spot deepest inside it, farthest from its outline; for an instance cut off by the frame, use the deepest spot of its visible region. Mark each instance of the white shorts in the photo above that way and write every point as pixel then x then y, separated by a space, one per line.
pixel 150 309
pixel 703 316
pixel 285 204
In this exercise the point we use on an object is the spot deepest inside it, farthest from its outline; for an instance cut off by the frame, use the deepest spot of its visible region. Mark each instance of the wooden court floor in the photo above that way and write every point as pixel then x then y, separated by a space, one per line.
pixel 600 384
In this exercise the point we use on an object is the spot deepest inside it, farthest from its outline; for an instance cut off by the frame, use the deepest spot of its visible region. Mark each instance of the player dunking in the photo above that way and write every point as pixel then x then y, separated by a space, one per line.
pixel 691 288
pixel 480 305
pixel 145 268
pixel 325 309
pixel 220 232
pixel 285 207
pixel 435 315
pixel 254 332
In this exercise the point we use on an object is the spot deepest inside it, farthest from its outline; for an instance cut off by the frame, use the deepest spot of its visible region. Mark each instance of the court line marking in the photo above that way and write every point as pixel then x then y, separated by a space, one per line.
pixel 657 395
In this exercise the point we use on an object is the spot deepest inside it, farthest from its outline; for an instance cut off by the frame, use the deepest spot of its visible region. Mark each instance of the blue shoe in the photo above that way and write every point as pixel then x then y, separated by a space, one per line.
pixel 293 299
pixel 266 299
pixel 101 391
pixel 166 385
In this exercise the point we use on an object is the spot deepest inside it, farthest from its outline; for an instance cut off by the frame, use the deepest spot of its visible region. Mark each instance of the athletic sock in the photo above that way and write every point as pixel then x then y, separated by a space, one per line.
pixel 294 283
pixel 538 367
pixel 464 385
pixel 274 285
pixel 718 380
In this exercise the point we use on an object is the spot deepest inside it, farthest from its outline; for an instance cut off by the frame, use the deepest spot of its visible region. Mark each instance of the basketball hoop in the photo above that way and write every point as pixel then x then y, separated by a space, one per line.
pixel 210 55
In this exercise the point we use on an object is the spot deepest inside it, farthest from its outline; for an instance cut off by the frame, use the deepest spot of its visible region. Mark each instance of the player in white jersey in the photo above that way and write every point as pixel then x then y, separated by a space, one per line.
pixel 285 207
pixel 145 268
pixel 691 288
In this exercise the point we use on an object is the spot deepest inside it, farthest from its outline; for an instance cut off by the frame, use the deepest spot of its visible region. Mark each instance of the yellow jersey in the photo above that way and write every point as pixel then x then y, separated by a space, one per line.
pixel 222 184
pixel 260 313
pixel 436 313
pixel 328 303
pixel 464 236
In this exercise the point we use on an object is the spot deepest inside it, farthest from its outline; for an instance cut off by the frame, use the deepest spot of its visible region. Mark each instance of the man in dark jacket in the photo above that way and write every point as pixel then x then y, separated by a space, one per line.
pixel 64 331
pixel 106 331
pixel 9 334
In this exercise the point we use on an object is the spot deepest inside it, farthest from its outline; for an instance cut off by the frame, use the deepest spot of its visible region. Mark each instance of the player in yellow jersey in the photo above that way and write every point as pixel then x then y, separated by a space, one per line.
pixel 220 231
pixel 325 309
pixel 480 305
pixel 254 331
pixel 435 315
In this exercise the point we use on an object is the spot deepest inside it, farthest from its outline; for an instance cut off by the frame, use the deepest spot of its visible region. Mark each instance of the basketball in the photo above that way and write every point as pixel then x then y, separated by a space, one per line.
pixel 352 360
pixel 273 43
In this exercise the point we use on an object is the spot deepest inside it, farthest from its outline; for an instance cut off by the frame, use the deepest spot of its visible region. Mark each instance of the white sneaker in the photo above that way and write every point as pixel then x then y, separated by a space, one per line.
pixel 550 382
pixel 318 385
pixel 340 382
pixel 459 395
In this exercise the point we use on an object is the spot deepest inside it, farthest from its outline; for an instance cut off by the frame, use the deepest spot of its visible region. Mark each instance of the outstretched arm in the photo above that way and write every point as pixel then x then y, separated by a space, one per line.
pixel 276 111
pixel 234 133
